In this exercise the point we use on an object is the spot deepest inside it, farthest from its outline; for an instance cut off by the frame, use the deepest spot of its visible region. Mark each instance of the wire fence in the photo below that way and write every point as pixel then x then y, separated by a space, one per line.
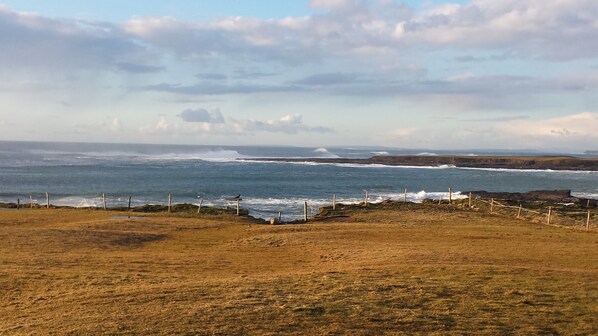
pixel 555 214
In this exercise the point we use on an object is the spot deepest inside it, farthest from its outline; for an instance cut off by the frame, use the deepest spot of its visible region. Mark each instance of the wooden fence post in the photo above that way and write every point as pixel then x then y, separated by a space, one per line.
pixel 238 207
pixel 365 201
pixel 450 195
pixel 588 221
pixel 492 205
pixel 200 204
pixel 18 203
pixel 169 202
pixel 280 217
pixel 470 200
pixel 549 214
pixel 31 201
pixel 47 200
pixel 104 200
pixel 129 207
pixel 333 202
pixel 519 211
pixel 305 211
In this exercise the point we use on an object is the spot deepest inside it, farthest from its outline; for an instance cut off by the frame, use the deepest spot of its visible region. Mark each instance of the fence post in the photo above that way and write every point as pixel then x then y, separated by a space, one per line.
pixel 333 202
pixel 519 211
pixel 492 205
pixel 305 211
pixel 280 217
pixel 31 201
pixel 129 207
pixel 365 201
pixel 47 200
pixel 169 202
pixel 199 207
pixel 450 195
pixel 470 200
pixel 104 200
pixel 238 207
pixel 549 214
pixel 18 203
pixel 588 221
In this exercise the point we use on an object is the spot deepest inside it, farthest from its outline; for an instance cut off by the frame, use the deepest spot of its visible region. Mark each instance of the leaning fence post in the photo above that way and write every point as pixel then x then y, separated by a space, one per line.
pixel 519 211
pixel 305 211
pixel 549 214
pixel 169 202
pixel 200 204
pixel 47 200
pixel 333 202
pixel 492 205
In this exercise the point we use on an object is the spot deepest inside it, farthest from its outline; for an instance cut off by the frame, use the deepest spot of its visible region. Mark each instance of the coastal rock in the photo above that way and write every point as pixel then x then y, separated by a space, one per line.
pixel 557 196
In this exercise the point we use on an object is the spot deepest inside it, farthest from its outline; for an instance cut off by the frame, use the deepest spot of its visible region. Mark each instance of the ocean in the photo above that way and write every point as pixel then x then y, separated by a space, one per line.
pixel 77 174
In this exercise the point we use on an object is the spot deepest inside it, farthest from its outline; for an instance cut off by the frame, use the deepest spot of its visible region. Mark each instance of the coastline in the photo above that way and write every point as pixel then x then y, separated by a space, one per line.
pixel 561 163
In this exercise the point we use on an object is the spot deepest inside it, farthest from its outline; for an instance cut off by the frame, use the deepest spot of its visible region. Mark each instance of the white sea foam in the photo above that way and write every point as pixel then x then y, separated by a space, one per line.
pixel 585 195
pixel 323 152
pixel 426 154
pixel 531 170
pixel 383 153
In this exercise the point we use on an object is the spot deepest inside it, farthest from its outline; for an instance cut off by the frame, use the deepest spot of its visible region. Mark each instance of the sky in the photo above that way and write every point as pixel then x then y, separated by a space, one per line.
pixel 479 74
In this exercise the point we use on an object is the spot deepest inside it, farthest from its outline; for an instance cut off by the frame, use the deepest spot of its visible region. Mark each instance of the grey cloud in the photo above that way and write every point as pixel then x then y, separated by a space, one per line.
pixel 247 74
pixel 212 76
pixel 202 116
pixel 469 59
pixel 328 79
pixel 218 89
pixel 138 68
pixel 290 124
pixel 31 41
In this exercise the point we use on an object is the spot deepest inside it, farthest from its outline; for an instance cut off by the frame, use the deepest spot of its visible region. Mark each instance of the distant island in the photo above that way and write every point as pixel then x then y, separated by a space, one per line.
pixel 498 162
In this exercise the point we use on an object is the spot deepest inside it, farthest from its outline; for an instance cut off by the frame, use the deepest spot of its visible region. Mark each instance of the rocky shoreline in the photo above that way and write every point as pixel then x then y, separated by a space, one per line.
pixel 493 162
pixel 552 196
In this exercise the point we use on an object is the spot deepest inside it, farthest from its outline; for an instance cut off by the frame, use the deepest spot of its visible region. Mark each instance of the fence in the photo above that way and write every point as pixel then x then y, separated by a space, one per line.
pixel 542 212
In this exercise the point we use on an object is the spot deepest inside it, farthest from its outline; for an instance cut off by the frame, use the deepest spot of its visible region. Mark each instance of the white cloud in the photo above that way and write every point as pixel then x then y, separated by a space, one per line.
pixel 290 124
pixel 577 126
pixel 202 116
pixel 551 29
pixel 116 125
pixel 32 41
pixel 329 4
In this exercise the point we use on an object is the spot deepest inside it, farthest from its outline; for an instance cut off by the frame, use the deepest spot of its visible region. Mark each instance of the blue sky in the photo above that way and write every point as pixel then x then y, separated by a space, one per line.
pixel 416 74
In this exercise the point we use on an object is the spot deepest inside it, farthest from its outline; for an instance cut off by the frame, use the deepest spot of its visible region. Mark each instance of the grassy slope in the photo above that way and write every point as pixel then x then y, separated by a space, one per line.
pixel 390 271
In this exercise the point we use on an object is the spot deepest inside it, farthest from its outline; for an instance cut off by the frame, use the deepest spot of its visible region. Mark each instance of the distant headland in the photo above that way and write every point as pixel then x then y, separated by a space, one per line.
pixel 496 162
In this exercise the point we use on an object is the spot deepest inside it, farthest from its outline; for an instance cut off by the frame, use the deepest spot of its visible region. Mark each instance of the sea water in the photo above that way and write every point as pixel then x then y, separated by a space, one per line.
pixel 77 174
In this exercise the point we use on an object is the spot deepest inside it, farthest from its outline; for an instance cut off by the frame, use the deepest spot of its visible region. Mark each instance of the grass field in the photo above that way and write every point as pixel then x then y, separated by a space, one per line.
pixel 405 269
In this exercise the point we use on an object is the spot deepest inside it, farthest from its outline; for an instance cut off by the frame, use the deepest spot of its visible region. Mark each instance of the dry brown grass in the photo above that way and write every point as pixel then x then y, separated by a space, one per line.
pixel 396 270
